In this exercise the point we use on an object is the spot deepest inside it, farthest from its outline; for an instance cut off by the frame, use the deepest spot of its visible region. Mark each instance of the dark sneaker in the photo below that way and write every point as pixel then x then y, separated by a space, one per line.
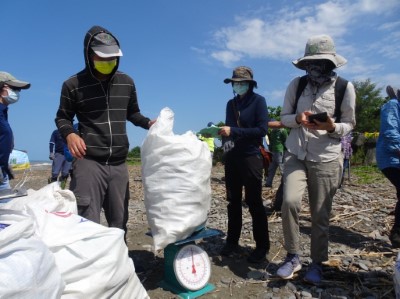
pixel 289 266
pixel 394 237
pixel 230 249
pixel 314 274
pixel 257 256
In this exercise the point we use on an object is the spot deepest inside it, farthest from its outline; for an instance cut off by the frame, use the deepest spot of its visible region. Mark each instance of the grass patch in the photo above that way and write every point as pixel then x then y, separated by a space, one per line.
pixel 133 161
pixel 367 174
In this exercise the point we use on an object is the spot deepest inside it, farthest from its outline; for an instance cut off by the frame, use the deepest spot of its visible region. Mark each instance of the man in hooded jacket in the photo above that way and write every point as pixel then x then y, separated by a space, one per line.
pixel 103 99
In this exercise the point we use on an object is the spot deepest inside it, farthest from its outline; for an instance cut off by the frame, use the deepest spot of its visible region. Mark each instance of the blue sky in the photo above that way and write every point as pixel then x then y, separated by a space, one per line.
pixel 179 52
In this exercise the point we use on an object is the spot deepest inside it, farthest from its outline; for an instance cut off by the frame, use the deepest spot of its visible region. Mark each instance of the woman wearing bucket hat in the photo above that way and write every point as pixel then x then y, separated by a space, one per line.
pixel 313 159
pixel 9 94
pixel 245 126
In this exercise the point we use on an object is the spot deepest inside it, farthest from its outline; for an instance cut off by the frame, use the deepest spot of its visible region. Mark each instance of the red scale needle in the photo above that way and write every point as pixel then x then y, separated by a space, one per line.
pixel 193 267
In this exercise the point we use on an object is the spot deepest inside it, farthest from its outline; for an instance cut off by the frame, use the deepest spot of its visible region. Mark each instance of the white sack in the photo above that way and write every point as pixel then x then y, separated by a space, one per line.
pixel 27 267
pixel 51 198
pixel 92 259
pixel 176 172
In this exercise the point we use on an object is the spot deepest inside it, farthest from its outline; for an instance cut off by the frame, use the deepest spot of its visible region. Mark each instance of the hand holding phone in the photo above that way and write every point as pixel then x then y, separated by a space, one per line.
pixel 321 117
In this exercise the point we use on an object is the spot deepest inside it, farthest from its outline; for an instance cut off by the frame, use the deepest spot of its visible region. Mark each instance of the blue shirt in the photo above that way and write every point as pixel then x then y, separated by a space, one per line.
pixel 388 144
pixel 253 119
pixel 57 144
pixel 6 137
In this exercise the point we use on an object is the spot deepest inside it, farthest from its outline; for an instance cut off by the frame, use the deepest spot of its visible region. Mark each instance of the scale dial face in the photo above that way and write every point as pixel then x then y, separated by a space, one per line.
pixel 192 267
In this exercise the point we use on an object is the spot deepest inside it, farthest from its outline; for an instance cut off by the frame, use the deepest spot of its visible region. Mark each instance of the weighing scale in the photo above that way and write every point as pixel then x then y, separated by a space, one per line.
pixel 12 193
pixel 187 267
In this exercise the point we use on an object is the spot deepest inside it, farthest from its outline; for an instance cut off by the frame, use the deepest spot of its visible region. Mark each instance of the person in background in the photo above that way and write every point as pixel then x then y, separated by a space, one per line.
pixel 60 163
pixel 10 89
pixel 278 137
pixel 388 152
pixel 245 126
pixel 277 204
pixel 209 141
pixel 347 151
pixel 103 99
pixel 313 159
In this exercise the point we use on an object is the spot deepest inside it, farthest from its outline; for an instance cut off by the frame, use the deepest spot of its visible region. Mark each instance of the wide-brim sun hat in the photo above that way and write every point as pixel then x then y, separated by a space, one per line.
pixel 320 47
pixel 105 45
pixel 241 74
pixel 10 80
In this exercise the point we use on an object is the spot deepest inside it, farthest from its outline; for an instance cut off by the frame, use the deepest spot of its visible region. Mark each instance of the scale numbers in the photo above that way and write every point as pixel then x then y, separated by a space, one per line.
pixel 192 267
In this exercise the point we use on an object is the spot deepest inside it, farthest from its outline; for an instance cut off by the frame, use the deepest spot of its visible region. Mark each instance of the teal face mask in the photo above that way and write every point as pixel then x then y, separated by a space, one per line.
pixel 240 88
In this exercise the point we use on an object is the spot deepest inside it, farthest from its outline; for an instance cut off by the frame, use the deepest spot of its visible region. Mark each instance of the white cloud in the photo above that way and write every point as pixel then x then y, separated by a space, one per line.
pixel 374 6
pixel 227 57
pixel 389 79
pixel 282 35
pixel 275 97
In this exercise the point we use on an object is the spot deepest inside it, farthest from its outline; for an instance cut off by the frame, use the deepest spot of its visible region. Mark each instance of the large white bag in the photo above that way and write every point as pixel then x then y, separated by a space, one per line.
pixel 27 267
pixel 92 259
pixel 176 172
pixel 51 198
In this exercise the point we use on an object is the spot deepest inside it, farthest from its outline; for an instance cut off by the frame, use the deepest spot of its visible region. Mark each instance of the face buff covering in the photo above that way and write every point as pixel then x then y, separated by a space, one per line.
pixel 105 67
pixel 319 72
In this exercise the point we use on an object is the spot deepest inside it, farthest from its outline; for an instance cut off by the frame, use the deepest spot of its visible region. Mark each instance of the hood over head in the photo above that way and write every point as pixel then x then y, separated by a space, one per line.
pixel 103 43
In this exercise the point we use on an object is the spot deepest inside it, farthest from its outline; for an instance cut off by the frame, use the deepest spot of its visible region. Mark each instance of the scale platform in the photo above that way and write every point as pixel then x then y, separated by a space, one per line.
pixel 170 281
pixel 12 193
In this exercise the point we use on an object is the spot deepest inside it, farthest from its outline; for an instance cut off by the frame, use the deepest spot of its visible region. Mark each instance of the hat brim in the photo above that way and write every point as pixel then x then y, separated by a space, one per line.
pixel 230 80
pixel 336 59
pixel 107 51
pixel 18 84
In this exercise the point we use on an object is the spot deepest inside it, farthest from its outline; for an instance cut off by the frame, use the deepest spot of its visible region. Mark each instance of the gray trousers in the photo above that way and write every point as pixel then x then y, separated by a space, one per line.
pixel 60 164
pixel 322 181
pixel 99 186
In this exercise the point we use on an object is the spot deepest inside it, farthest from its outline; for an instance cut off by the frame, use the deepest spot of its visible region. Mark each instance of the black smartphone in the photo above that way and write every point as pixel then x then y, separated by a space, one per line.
pixel 322 117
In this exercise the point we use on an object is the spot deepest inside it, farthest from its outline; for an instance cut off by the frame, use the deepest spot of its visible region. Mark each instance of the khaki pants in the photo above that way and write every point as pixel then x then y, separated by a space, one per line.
pixel 322 180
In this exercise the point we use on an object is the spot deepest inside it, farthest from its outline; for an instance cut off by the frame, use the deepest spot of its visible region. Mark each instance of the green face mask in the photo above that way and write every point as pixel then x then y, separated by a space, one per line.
pixel 105 67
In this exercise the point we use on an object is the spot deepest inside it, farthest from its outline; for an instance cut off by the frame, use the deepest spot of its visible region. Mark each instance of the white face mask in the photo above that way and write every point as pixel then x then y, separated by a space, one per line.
pixel 12 97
